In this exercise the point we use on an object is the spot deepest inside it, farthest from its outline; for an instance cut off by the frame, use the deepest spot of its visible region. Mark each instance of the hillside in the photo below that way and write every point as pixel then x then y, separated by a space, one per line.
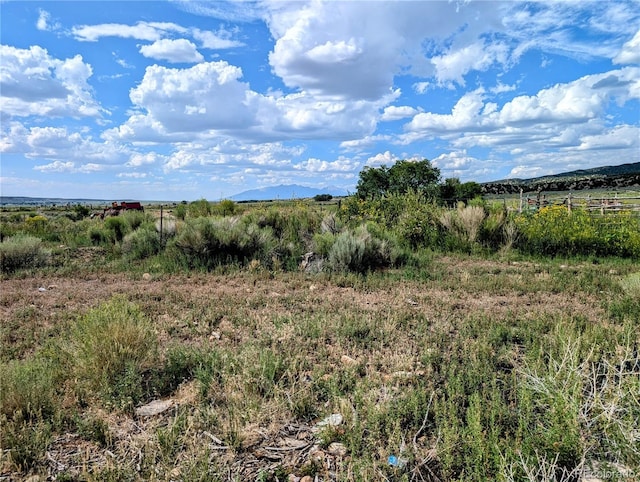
pixel 613 177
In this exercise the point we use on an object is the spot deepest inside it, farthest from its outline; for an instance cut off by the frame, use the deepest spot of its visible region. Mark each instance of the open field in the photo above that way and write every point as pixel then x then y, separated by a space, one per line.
pixel 414 342
pixel 466 368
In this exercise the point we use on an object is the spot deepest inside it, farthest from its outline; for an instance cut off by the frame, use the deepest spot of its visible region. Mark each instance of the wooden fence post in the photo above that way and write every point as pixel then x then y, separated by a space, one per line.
pixel 520 208
pixel 161 225
pixel 569 203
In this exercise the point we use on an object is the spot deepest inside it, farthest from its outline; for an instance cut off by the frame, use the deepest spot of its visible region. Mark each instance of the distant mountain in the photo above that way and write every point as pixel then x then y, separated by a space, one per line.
pixel 606 177
pixel 289 191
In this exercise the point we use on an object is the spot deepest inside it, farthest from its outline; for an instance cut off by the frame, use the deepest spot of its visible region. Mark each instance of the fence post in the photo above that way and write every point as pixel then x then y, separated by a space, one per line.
pixel 520 208
pixel 569 203
pixel 161 230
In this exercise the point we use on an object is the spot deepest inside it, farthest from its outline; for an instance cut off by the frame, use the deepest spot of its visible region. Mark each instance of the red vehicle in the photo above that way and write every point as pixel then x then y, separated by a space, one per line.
pixel 116 208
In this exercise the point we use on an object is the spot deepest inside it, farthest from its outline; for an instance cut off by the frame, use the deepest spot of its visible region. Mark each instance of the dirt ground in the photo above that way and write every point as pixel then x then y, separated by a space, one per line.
pixel 210 308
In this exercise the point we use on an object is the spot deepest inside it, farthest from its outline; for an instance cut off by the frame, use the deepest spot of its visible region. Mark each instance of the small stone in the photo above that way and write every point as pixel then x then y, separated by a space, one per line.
pixel 338 449
pixel 41 289
pixel 332 420
pixel 347 360
pixel 146 277
pixel 251 438
pixel 215 335
pixel 316 454
pixel 154 408
pixel 293 478
pixel 306 478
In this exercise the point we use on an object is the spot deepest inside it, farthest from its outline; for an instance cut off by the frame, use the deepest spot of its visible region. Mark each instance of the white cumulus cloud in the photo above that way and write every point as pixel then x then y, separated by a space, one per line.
pixel 44 21
pixel 175 51
pixel 630 52
pixel 34 83
pixel 149 31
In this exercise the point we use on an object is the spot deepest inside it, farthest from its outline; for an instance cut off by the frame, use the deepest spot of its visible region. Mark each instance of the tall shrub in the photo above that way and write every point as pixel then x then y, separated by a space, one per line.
pixel 22 251
pixel 210 242
pixel 359 251
pixel 141 243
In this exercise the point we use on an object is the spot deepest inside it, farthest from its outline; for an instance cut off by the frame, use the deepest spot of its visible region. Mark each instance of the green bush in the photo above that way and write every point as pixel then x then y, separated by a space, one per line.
pixel 359 251
pixel 210 242
pixel 111 351
pixel 554 231
pixel 492 231
pixel 98 235
pixel 417 226
pixel 322 243
pixel 36 224
pixel 134 218
pixel 141 243
pixel 294 227
pixel 116 228
pixel 22 251
pixel 199 208
pixel 180 211
pixel 226 207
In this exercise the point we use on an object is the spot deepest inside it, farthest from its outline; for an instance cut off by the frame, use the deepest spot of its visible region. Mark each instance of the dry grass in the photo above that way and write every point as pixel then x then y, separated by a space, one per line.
pixel 277 354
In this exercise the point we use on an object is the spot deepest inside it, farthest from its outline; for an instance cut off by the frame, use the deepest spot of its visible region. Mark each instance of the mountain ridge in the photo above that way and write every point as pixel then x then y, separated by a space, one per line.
pixel 286 191
pixel 615 177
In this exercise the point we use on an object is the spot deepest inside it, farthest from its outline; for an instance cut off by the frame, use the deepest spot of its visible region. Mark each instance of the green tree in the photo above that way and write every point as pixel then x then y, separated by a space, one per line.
pixel 403 177
pixel 452 191
pixel 414 176
pixel 373 182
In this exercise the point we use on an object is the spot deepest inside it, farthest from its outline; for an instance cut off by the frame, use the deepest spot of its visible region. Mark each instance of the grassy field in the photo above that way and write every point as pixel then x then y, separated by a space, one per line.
pixel 455 366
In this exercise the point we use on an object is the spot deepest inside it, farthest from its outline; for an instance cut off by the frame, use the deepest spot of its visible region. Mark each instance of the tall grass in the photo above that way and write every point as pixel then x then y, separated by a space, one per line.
pixel 111 350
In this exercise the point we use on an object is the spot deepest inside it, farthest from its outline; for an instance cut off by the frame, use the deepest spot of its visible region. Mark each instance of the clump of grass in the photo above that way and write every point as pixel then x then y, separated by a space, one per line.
pixel 464 223
pixel 22 251
pixel 111 349
pixel 26 442
pixel 631 285
pixel 28 403
pixel 27 389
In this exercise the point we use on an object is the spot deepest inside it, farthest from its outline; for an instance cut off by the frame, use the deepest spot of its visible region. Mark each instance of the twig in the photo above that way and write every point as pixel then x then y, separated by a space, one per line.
pixel 424 421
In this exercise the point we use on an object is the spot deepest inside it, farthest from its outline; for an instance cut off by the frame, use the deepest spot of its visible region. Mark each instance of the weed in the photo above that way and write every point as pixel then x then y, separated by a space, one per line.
pixel 27 389
pixel 111 348
pixel 25 441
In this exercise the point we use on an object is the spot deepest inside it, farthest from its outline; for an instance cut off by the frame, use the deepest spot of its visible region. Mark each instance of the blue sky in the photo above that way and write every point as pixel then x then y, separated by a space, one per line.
pixel 182 100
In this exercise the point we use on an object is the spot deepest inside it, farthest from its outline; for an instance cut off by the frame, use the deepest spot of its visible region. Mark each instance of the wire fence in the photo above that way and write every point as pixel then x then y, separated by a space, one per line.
pixel 602 205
